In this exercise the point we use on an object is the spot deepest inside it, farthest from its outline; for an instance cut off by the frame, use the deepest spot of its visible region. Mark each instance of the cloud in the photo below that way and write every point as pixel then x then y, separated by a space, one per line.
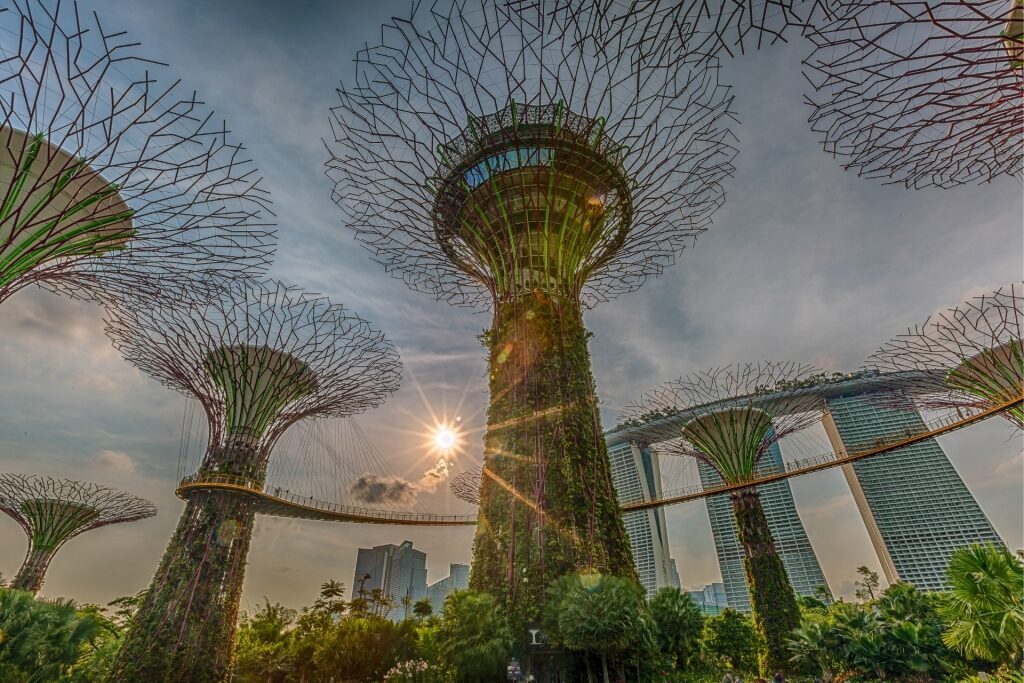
pixel 114 461
pixel 371 488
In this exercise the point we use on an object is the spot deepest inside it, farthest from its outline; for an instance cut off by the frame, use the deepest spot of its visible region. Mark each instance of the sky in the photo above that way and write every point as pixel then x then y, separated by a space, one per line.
pixel 804 262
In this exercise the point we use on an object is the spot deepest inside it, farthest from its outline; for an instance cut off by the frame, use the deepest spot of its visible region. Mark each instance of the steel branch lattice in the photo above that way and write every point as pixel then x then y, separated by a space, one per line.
pixel 921 93
pixel 975 349
pixel 113 176
pixel 520 74
pixel 681 29
pixel 739 411
pixel 259 357
pixel 53 511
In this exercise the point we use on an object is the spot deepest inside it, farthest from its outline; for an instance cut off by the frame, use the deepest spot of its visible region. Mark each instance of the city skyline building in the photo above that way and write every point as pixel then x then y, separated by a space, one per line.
pixel 711 598
pixel 457 579
pixel 787 529
pixel 636 475
pixel 914 529
pixel 399 571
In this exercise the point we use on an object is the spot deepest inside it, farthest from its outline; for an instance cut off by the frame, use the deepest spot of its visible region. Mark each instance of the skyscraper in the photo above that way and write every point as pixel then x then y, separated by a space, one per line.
pixel 636 474
pixel 457 579
pixel 399 571
pixel 914 504
pixel 784 523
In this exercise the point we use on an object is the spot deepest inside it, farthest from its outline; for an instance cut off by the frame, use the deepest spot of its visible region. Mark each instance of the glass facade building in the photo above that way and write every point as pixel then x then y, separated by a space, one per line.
pixel 915 505
pixel 399 571
pixel 457 579
pixel 636 474
pixel 791 540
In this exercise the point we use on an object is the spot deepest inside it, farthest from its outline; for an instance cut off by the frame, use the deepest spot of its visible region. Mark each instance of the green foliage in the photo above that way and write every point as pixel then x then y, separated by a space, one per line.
pixel 731 637
pixel 899 636
pixel 772 599
pixel 985 608
pixel 868 584
pixel 473 637
pixel 423 608
pixel 679 625
pixel 545 444
pixel 42 640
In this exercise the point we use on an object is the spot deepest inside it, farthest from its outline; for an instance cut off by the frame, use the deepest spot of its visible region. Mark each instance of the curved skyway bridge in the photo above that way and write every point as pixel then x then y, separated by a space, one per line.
pixel 313 470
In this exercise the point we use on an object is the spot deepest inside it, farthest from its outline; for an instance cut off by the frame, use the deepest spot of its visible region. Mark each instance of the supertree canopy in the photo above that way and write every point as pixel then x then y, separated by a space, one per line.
pixel 922 93
pixel 113 177
pixel 53 511
pixel 971 355
pixel 259 357
pixel 518 160
pixel 732 416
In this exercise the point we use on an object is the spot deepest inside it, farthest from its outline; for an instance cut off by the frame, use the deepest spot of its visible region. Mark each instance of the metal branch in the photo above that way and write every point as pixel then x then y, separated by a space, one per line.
pixel 921 93
pixel 972 354
pixel 53 511
pixel 114 177
pixel 733 414
pixel 259 356
pixel 470 96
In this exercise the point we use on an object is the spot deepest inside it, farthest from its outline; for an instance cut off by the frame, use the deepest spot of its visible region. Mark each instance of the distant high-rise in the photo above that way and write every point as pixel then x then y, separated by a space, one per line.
pixel 457 579
pixel 914 504
pixel 710 599
pixel 784 523
pixel 399 571
pixel 636 474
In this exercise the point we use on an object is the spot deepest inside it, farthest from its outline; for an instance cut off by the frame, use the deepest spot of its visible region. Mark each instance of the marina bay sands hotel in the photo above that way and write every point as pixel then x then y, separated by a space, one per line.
pixel 915 506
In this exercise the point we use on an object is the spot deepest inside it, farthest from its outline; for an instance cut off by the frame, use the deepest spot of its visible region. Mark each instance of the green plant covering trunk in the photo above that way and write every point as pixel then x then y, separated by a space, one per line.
pixel 184 630
pixel 548 507
pixel 772 599
pixel 33 570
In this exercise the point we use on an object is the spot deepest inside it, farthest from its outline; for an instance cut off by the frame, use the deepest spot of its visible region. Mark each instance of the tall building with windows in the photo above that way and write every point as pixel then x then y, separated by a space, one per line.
pixel 915 505
pixel 636 474
pixel 783 521
pixel 399 571
pixel 457 579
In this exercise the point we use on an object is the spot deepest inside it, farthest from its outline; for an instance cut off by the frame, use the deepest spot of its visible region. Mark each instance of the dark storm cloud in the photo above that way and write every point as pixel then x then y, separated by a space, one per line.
pixel 371 488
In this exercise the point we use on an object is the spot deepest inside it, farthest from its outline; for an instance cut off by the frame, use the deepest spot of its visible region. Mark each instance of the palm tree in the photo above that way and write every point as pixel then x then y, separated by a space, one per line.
pixel 597 614
pixel 474 636
pixel 41 639
pixel 423 608
pixel 985 606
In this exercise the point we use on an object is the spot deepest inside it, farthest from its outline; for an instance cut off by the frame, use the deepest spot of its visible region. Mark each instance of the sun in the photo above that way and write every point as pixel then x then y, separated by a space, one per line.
pixel 445 438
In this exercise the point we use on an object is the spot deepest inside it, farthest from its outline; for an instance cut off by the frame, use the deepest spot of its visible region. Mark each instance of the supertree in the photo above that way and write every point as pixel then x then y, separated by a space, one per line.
pixel 113 177
pixel 258 357
pixel 921 92
pixel 520 163
pixel 970 355
pixel 732 416
pixel 53 511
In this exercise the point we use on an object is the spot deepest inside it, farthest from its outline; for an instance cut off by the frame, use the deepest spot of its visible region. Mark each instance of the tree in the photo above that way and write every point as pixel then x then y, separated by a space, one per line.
pixel 262 644
pixel 868 584
pixel 474 637
pixel 423 608
pixel 731 637
pixel 595 614
pixel 40 640
pixel 985 608
pixel 679 624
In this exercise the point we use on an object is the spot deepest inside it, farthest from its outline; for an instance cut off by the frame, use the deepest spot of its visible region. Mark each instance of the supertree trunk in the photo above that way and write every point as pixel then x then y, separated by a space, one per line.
pixel 33 570
pixel 184 630
pixel 548 507
pixel 772 599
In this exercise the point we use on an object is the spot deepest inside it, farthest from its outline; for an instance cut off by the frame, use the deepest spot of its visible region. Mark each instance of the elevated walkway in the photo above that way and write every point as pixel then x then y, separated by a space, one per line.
pixel 824 462
pixel 281 503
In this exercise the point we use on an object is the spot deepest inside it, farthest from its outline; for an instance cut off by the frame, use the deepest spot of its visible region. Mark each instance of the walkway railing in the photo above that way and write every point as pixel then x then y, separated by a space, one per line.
pixel 823 462
pixel 281 502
